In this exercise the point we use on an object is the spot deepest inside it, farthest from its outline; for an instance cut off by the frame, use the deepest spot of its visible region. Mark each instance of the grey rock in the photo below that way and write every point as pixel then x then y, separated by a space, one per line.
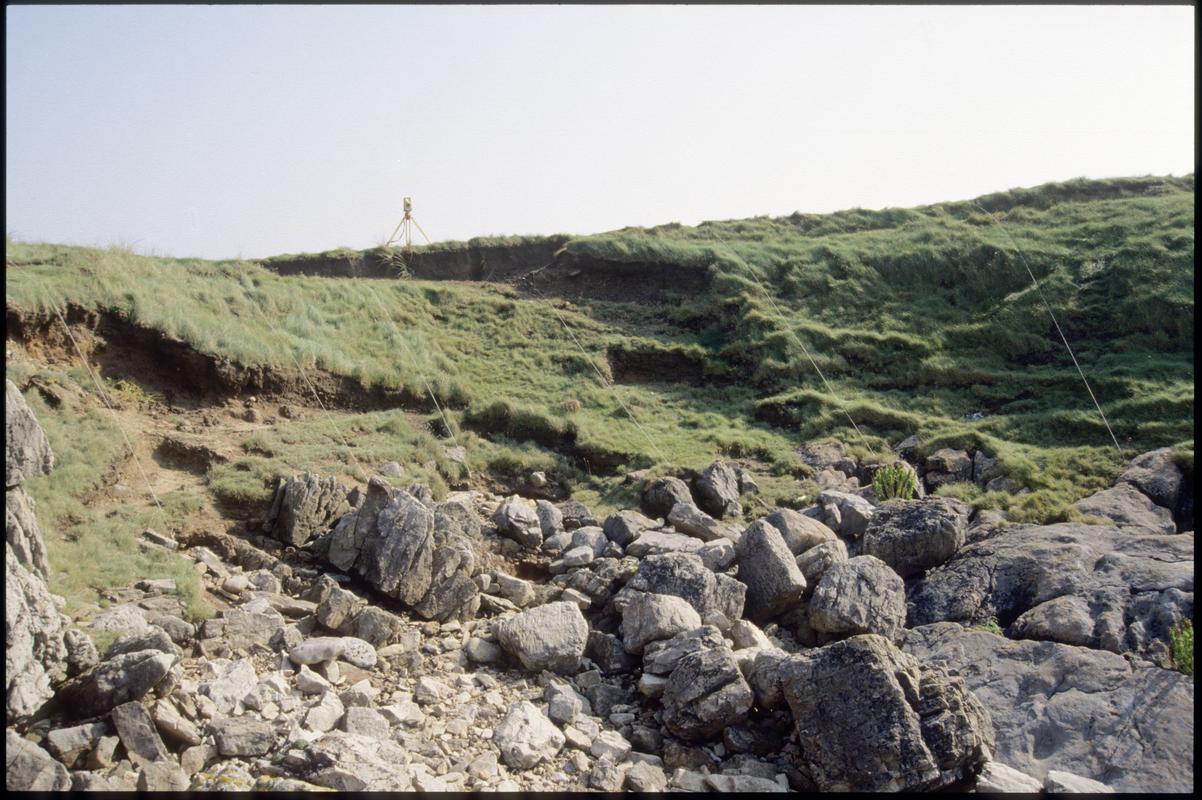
pixel 861 595
pixel 35 655
pixel 304 506
pixel 349 762
pixel 517 591
pixel 624 527
pixel 660 658
pixel 717 555
pixel 103 753
pixel 768 569
pixel 366 721
pixel 575 557
pixel 609 653
pixel 845 514
pixel 550 520
pixel 607 776
pixel 338 607
pixel 799 531
pixel 644 777
pixel 517 519
pixel 398 548
pixel 743 783
pixel 326 715
pixel 652 542
pixel 1058 782
pixel 997 777
pixel 563 703
pixel 138 733
pixel 717 490
pixel 948 466
pixel 119 680
pixel 1136 585
pixel 870 718
pixel 173 725
pixel 815 561
pixel 253 624
pixel 576 515
pixel 162 776
pixel 704 694
pixel 194 759
pixel 230 685
pixel 22 533
pixel 985 468
pixel 526 737
pixel 915 535
pixel 1056 706
pixel 692 521
pixel 662 493
pixel 684 575
pixel 1156 475
pixel 592 537
pixel 652 617
pixel 154 639
pixel 552 636
pixel 180 631
pixel 26 449
pixel 328 648
pixel 609 744
pixel 1129 509
pixel 68 745
pixel 29 768
pixel 377 627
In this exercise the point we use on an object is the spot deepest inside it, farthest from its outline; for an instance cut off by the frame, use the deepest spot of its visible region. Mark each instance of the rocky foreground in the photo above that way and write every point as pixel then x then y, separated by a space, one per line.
pixel 378 640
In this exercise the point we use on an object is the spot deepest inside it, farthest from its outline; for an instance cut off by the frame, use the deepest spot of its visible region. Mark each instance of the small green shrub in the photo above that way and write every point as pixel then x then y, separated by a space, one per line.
pixel 894 482
pixel 989 626
pixel 1181 637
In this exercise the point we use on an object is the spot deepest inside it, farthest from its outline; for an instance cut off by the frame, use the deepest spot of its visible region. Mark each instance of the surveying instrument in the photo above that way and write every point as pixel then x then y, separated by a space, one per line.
pixel 404 229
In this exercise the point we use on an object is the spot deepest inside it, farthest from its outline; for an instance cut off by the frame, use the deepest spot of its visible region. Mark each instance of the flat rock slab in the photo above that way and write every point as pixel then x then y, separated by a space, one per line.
pixel 1054 706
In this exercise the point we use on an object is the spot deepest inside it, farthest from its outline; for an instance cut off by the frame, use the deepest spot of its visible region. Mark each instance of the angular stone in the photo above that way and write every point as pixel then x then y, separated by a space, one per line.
pixel 68 745
pixel 662 493
pixel 35 655
pixel 870 718
pixel 644 777
pixel 338 607
pixel 624 527
pixel 550 520
pixel 138 733
pixel 352 763
pixel 1058 782
pixel 162 776
pixel 815 561
pixel 684 575
pixel 306 505
pixel 119 680
pixel 768 569
pixel 652 543
pixel 526 737
pixel 377 627
pixel 366 722
pixel 997 777
pixel 704 694
pixel 29 768
pixel 660 658
pixel 173 725
pixel 799 531
pixel 652 617
pixel 861 595
pixel 692 521
pixel 717 489
pixel 845 514
pixel 915 535
pixel 576 515
pixel 326 714
pixel 1129 509
pixel 552 636
pixel 230 685
pixel 517 519
pixel 26 449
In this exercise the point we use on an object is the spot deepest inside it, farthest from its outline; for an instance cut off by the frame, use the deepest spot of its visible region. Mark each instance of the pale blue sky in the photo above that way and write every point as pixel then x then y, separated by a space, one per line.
pixel 221 131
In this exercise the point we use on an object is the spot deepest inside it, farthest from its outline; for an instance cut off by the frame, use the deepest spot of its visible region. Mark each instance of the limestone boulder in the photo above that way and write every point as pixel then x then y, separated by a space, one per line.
pixel 551 636
pixel 860 595
pixel 914 535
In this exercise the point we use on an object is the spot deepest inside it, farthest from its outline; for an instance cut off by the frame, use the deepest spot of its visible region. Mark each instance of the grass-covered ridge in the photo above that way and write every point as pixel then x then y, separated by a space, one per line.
pixel 924 321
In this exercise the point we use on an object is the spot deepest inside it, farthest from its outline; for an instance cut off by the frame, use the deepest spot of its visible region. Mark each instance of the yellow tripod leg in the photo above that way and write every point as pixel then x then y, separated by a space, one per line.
pixel 419 227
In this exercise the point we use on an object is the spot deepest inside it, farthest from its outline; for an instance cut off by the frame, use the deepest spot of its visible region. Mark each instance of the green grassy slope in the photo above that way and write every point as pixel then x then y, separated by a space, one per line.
pixel 918 317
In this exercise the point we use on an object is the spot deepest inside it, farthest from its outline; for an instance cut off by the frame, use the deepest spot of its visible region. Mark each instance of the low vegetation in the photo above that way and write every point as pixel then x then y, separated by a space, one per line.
pixel 923 321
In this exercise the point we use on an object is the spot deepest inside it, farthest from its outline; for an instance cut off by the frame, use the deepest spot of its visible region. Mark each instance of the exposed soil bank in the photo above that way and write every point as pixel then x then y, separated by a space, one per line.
pixel 539 268
pixel 182 374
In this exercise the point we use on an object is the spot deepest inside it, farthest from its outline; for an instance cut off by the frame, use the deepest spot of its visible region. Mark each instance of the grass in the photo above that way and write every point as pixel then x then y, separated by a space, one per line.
pixel 90 551
pixel 920 319
pixel 1181 640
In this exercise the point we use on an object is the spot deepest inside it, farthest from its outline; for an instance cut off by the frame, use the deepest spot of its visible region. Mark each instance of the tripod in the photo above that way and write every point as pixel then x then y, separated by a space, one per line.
pixel 405 227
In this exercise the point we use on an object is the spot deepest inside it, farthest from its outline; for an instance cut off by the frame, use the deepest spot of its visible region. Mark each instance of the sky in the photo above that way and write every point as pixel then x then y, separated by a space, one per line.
pixel 249 131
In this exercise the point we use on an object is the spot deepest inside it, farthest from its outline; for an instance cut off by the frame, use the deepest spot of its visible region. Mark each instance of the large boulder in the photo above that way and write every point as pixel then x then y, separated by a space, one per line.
pixel 914 535
pixel 660 658
pixel 1128 508
pixel 1132 587
pixel 662 493
pixel 692 521
pixel 352 762
pixel 624 527
pixel 800 531
pixel 815 561
pixel 948 466
pixel 1124 722
pixel 685 575
pixel 303 506
pixel 846 514
pixel 517 519
pixel 118 680
pixel 860 595
pixel 717 490
pixel 29 768
pixel 26 449
pixel 653 617
pixel 870 718
pixel 525 736
pixel 551 636
pixel 705 694
pixel 35 654
pixel 769 570
pixel 1157 475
